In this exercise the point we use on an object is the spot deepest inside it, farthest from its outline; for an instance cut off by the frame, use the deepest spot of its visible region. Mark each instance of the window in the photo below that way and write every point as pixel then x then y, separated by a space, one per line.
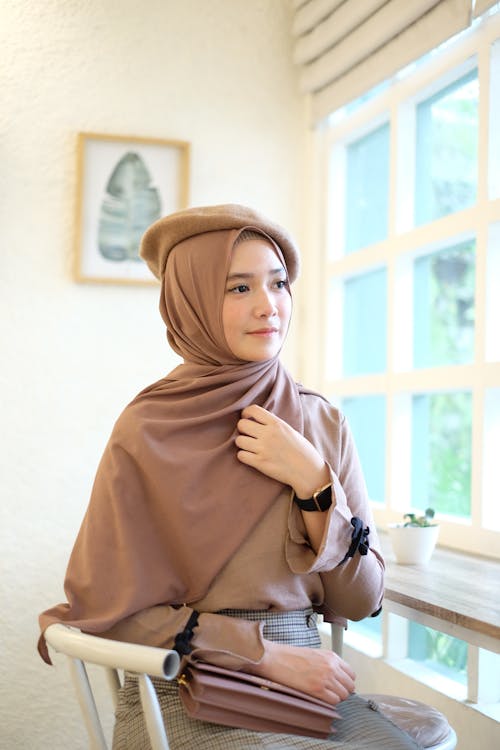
pixel 364 332
pixel 444 307
pixel 411 227
pixel 412 272
pixel 367 187
pixel 446 150
pixel 441 441
pixel 438 651
pixel 366 416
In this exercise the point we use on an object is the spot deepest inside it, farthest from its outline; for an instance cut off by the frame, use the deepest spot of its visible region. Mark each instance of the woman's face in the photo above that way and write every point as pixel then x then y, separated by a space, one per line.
pixel 257 304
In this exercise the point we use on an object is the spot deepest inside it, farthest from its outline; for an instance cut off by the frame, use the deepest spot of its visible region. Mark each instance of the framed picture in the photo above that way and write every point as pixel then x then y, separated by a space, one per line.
pixel 124 184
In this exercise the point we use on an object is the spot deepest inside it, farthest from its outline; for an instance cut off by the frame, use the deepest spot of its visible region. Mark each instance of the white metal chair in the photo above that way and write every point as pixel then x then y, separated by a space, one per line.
pixel 147 662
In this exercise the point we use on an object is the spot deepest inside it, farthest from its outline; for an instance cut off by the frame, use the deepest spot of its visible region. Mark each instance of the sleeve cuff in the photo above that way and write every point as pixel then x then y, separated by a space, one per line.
pixel 229 642
pixel 336 537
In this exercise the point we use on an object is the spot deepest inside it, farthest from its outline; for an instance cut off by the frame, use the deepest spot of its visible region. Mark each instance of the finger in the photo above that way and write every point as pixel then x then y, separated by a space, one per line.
pixel 249 427
pixel 333 692
pixel 256 412
pixel 336 694
pixel 341 678
pixel 346 667
pixel 343 684
pixel 343 675
pixel 349 671
pixel 346 682
pixel 246 443
pixel 339 688
pixel 329 697
pixel 248 458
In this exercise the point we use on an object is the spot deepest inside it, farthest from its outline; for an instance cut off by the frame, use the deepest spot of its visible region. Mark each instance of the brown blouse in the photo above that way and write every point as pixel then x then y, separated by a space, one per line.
pixel 275 568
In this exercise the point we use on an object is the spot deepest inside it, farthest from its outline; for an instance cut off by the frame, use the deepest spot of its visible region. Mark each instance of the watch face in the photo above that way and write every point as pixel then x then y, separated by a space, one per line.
pixel 324 497
pixel 324 492
pixel 320 501
pixel 326 489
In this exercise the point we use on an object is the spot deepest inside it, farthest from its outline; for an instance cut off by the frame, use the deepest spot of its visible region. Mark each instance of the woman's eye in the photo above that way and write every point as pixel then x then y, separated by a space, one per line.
pixel 239 289
pixel 281 284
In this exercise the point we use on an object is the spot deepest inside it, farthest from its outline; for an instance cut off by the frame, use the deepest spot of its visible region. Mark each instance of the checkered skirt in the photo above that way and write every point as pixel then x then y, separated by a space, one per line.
pixel 361 727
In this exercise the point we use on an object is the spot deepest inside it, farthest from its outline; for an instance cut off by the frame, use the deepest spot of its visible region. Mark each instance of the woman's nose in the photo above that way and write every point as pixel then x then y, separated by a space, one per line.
pixel 265 306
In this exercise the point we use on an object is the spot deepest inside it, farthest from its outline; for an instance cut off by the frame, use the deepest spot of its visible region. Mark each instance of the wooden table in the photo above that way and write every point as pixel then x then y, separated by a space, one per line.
pixel 455 593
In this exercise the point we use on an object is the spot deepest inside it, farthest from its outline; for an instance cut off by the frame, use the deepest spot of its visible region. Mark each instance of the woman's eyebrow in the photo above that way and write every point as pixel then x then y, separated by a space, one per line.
pixel 249 275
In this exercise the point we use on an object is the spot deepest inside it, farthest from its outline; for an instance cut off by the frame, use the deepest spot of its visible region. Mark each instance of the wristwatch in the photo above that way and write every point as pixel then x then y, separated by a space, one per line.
pixel 320 501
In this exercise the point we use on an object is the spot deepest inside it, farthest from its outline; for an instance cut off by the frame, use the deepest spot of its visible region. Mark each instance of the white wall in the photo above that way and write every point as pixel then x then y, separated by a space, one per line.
pixel 217 74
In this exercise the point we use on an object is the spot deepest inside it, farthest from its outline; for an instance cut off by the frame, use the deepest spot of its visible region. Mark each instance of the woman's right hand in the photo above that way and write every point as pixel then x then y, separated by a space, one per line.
pixel 315 671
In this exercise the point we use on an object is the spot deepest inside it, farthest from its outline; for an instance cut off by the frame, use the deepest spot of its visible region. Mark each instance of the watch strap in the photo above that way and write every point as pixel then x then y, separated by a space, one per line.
pixel 320 501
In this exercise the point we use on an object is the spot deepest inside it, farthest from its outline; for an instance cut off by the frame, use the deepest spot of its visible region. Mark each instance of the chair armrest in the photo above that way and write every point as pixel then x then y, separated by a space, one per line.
pixel 158 662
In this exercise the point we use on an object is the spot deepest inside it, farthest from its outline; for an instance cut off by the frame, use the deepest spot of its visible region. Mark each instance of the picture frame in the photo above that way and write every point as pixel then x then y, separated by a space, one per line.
pixel 124 184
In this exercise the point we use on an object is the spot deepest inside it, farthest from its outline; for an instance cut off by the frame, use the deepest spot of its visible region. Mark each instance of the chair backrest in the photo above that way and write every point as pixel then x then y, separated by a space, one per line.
pixel 113 656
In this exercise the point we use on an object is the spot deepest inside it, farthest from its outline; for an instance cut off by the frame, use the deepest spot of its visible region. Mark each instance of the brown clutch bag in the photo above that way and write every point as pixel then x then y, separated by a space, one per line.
pixel 237 699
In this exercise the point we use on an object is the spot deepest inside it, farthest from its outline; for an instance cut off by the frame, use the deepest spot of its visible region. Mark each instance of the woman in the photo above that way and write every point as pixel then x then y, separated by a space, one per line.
pixel 229 490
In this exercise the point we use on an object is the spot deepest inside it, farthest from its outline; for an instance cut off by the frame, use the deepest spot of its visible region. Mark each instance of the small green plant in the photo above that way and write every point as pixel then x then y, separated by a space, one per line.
pixel 426 520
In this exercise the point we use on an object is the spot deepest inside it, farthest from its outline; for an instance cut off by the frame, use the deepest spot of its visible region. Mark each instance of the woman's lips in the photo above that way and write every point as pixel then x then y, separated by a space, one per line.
pixel 264 332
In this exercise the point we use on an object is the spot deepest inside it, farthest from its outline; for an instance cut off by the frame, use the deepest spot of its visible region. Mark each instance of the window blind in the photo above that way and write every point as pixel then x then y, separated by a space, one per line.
pixel 481 6
pixel 345 47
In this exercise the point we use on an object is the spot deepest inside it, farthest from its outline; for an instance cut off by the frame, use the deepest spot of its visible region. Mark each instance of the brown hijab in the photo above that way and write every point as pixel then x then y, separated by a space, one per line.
pixel 169 484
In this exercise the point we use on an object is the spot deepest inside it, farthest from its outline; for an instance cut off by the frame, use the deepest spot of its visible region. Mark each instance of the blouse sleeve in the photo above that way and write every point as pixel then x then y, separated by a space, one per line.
pixel 221 640
pixel 349 560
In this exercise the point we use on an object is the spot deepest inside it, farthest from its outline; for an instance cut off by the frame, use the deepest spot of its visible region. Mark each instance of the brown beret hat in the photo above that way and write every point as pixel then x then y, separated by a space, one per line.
pixel 165 233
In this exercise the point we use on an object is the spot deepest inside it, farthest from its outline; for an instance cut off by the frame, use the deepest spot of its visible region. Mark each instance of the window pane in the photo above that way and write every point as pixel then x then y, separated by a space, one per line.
pixel 366 417
pixel 492 295
pixel 494 123
pixel 367 189
pixel 369 628
pixel 438 651
pixel 443 307
pixel 446 150
pixel 441 452
pixel 365 323
pixel 491 443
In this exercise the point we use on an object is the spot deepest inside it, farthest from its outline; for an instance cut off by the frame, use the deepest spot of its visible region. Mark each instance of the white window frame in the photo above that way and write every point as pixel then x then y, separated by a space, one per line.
pixel 396 105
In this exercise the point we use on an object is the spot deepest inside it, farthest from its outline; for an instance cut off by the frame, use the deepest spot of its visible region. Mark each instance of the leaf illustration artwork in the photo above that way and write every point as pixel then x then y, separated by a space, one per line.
pixel 129 206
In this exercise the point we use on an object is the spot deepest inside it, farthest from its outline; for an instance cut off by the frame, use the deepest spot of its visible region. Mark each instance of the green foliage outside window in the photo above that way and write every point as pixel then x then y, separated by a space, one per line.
pixel 444 316
pixel 444 307
pixel 439 651
pixel 441 452
pixel 446 150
